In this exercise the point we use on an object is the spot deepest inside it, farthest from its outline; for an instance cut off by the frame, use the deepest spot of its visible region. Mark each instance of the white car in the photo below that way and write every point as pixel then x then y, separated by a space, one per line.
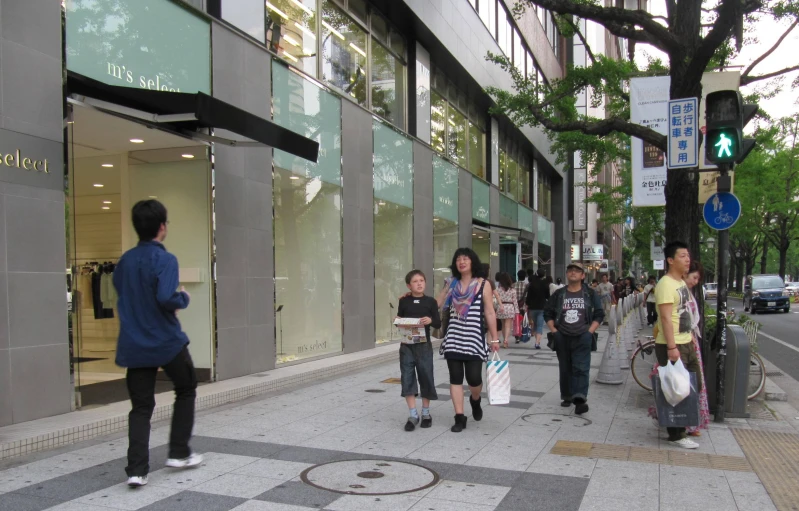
pixel 711 290
pixel 792 288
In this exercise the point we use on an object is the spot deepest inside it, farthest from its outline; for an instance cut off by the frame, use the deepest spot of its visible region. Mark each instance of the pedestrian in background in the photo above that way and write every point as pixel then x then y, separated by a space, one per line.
pixel 651 305
pixel 150 337
pixel 536 299
pixel 508 308
pixel 521 290
pixel 605 290
pixel 573 314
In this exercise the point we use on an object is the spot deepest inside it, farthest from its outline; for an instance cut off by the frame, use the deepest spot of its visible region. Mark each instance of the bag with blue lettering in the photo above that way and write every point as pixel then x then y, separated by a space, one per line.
pixel 498 380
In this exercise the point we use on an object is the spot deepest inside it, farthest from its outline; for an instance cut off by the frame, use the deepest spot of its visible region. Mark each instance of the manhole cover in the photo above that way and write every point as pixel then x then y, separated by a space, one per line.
pixel 554 419
pixel 375 391
pixel 369 477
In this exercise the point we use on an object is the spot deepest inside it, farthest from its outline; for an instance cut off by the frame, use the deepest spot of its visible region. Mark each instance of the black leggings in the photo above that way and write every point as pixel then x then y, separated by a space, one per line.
pixel 472 368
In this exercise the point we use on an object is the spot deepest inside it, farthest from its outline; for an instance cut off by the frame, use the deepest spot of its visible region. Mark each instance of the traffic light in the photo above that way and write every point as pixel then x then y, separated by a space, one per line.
pixel 726 117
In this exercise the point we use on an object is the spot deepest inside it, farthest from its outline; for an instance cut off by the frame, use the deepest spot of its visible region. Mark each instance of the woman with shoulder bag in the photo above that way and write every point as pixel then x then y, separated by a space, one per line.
pixel 471 310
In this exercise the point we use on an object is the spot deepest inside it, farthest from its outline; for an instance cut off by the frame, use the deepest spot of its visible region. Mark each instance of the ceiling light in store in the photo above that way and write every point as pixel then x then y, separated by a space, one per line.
pixel 290 56
pixel 136 141
pixel 304 8
pixel 291 40
pixel 153 197
pixel 106 207
pixel 436 219
pixel 354 47
pixel 293 177
pixel 336 32
pixel 381 203
pixel 278 11
pixel 305 30
pixel 187 156
pixel 473 234
pixel 98 185
pixel 107 165
pixel 106 202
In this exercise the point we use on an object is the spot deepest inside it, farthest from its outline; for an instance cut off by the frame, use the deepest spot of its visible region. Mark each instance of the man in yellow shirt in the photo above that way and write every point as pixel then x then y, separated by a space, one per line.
pixel 674 339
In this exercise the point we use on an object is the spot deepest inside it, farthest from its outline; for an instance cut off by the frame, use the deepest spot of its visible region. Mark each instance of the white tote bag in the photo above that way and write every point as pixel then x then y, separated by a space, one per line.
pixel 498 380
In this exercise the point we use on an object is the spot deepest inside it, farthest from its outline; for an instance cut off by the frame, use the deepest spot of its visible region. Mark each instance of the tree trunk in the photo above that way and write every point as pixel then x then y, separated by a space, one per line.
pixel 784 258
pixel 739 276
pixel 764 258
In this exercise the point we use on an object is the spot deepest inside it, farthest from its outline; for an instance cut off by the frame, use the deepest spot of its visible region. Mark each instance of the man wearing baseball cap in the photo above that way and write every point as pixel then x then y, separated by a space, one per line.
pixel 573 313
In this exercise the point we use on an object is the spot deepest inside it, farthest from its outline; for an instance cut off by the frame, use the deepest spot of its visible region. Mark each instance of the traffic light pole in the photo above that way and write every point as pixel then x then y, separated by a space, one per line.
pixel 724 185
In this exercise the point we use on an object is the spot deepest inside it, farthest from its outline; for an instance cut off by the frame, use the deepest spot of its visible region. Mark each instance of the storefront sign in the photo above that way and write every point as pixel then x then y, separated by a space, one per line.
pixel 445 190
pixel 649 99
pixel 604 266
pixel 480 200
pixel 580 207
pixel 593 252
pixel 575 253
pixel 146 44
pixel 31 161
pixel 21 161
pixel 659 264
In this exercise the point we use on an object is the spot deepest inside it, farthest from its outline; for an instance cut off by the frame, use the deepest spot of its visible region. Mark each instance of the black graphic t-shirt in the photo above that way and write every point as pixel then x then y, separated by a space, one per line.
pixel 573 320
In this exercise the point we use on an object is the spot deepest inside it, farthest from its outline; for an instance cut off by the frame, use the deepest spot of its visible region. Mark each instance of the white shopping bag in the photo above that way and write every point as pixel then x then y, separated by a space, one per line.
pixel 675 382
pixel 498 380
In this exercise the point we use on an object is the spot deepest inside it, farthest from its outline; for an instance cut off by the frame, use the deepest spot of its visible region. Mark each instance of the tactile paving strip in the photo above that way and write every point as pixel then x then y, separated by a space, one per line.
pixel 645 455
pixel 775 459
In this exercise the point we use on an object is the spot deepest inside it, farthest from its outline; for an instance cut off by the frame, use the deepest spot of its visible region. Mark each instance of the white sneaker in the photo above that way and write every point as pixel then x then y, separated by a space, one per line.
pixel 136 481
pixel 192 461
pixel 685 443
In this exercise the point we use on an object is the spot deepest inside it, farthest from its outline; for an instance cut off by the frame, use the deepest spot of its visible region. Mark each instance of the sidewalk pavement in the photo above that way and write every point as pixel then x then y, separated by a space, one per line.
pixel 339 445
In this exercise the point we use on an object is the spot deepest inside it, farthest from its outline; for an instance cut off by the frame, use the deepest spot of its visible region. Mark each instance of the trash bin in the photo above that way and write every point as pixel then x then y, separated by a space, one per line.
pixel 736 374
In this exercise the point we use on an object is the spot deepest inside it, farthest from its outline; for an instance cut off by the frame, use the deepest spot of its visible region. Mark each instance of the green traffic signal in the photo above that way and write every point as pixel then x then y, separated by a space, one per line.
pixel 723 145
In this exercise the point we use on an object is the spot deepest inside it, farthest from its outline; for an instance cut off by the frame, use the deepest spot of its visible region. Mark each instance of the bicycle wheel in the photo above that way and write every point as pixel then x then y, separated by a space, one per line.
pixel 757 376
pixel 641 365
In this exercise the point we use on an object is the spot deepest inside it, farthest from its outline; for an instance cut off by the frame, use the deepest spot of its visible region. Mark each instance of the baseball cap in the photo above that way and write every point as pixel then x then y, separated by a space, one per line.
pixel 575 265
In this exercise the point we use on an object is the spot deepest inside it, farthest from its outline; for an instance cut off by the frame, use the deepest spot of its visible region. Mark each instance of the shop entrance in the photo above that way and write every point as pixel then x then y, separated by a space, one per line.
pixel 112 164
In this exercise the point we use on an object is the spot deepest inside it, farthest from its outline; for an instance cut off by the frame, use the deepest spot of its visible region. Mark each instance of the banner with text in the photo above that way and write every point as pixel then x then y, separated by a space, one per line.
pixel 580 207
pixel 649 99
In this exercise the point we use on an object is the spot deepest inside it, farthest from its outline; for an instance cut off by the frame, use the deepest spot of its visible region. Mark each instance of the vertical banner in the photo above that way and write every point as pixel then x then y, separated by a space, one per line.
pixel 649 99
pixel 712 82
pixel 580 207
pixel 683 134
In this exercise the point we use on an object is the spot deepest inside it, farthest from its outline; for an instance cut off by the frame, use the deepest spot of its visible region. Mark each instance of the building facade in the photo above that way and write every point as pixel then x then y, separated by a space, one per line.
pixel 310 153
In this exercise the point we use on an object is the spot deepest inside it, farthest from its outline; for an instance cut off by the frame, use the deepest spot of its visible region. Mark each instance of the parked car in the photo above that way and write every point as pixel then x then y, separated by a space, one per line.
pixel 711 291
pixel 765 292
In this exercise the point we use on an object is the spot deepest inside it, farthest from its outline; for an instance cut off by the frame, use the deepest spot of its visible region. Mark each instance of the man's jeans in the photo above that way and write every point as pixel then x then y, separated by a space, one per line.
pixel 651 313
pixel 141 388
pixel 574 359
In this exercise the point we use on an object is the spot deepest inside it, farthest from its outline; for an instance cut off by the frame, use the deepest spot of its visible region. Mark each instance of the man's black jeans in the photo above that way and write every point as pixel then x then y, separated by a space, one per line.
pixel 651 313
pixel 574 359
pixel 141 388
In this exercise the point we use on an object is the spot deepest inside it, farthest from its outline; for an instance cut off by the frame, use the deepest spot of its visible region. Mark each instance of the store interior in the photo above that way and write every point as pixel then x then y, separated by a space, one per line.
pixel 113 163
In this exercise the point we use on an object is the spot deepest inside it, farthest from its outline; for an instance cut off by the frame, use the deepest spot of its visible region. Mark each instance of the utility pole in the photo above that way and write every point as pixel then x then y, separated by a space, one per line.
pixel 724 184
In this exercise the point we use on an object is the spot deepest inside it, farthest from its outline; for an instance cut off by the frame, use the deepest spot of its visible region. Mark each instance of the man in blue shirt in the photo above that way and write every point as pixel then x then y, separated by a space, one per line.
pixel 150 336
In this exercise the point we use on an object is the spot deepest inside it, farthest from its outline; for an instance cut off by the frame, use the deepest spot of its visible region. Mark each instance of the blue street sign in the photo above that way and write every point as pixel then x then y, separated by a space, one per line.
pixel 722 210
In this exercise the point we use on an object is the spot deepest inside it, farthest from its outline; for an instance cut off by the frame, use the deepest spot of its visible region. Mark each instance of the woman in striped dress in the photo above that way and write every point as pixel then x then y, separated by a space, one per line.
pixel 468 298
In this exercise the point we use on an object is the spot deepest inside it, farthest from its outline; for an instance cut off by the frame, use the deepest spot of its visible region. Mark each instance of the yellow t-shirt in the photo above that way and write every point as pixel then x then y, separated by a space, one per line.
pixel 674 292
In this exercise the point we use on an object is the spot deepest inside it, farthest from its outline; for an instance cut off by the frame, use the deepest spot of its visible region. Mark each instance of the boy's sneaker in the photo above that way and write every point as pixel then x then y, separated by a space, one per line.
pixel 581 408
pixel 411 424
pixel 427 421
pixel 685 443
pixel 192 461
pixel 137 481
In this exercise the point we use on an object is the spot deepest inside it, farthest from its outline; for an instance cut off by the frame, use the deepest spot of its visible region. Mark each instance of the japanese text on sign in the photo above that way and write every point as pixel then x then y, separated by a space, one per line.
pixel 682 134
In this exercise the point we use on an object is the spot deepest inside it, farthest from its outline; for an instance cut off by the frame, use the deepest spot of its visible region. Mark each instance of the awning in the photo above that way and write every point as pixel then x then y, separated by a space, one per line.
pixel 502 230
pixel 188 113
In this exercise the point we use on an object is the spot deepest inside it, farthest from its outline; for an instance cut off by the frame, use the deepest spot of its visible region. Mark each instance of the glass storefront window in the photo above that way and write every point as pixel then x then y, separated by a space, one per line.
pixel 524 186
pixel 456 132
pixel 343 53
pixel 307 221
pixel 438 121
pixel 445 221
pixel 292 31
pixel 513 178
pixel 480 200
pixel 508 212
pixel 393 224
pixel 503 170
pixel 388 91
pixel 477 142
pixel 248 15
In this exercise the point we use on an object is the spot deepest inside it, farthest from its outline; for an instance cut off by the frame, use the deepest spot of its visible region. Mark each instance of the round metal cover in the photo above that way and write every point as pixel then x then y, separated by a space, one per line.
pixel 369 477
pixel 555 419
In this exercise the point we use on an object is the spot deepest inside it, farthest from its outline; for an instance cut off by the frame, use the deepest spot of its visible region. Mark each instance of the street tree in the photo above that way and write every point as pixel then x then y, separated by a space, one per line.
pixel 696 36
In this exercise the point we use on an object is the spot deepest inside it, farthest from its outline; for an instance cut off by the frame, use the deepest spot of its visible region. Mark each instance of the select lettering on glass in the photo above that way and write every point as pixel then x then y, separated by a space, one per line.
pixel 125 74
pixel 18 160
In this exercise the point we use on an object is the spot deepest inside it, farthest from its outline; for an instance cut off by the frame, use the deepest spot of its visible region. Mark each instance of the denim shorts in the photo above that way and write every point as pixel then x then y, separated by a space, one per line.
pixel 417 359
pixel 537 317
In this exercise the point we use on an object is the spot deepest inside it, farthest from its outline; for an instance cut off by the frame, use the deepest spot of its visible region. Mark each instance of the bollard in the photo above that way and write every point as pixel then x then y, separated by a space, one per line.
pixel 610 368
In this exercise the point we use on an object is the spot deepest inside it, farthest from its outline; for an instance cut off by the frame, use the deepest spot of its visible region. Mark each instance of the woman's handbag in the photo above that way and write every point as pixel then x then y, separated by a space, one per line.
pixel 498 380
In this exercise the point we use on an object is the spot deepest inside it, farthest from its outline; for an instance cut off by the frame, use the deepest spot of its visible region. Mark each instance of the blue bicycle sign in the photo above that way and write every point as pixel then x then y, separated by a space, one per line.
pixel 722 210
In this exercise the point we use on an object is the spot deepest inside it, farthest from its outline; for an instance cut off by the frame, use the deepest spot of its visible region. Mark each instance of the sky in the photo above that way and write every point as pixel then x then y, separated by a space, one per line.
pixel 766 32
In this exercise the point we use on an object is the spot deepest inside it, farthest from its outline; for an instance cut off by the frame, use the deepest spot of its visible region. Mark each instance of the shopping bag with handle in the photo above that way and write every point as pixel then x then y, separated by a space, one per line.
pixel 517 326
pixel 498 380
pixel 527 332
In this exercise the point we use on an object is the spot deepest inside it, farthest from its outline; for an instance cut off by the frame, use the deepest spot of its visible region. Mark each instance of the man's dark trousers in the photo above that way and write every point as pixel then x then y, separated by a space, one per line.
pixel 651 313
pixel 141 388
pixel 574 359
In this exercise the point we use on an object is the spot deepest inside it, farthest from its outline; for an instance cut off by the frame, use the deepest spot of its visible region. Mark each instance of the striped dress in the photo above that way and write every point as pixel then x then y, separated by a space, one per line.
pixel 465 339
